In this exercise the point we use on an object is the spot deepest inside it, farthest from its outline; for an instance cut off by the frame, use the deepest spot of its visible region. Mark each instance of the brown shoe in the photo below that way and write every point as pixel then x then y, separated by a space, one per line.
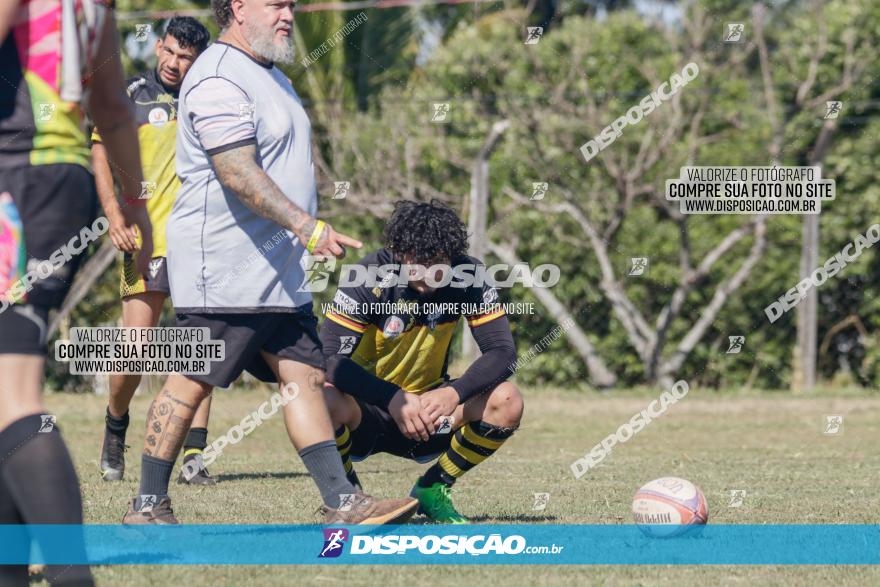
pixel 365 509
pixel 160 513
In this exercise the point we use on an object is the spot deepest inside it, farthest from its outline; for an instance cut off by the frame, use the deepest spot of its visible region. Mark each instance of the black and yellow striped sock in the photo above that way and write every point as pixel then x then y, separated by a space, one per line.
pixel 471 444
pixel 343 445
pixel 195 443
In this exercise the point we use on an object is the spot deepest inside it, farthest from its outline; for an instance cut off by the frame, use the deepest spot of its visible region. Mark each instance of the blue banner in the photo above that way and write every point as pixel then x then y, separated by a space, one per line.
pixel 439 544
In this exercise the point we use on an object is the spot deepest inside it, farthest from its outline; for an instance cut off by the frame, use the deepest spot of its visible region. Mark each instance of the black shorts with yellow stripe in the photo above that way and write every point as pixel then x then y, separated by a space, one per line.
pixel 378 433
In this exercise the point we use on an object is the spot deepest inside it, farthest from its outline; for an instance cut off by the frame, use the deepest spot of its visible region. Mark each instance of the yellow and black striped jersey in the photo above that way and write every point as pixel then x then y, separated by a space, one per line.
pixel 155 110
pixel 400 336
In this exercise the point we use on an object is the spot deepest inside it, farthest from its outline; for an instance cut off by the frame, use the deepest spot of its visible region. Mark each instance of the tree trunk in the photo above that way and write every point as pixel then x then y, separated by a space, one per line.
pixel 600 375
pixel 478 217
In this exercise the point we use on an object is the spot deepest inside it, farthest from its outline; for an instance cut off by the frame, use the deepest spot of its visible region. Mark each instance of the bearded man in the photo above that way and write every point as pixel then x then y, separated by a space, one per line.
pixel 248 184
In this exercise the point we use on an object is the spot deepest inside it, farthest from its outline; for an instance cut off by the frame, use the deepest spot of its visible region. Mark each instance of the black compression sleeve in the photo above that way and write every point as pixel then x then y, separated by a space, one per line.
pixel 499 354
pixel 348 376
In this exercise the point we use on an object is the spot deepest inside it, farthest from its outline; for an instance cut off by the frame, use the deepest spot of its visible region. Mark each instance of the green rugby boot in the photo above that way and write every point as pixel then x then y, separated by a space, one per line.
pixel 436 503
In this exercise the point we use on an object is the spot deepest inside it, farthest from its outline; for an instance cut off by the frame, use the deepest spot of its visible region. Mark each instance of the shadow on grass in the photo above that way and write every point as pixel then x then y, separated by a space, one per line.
pixel 512 519
pixel 520 518
pixel 245 476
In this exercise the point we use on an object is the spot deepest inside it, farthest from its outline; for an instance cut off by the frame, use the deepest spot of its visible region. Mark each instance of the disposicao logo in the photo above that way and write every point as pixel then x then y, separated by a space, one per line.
pixel 334 539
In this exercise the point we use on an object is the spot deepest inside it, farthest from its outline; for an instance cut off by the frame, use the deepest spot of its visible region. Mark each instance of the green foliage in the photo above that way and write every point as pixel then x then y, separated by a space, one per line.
pixel 370 103
pixel 487 75
pixel 138 55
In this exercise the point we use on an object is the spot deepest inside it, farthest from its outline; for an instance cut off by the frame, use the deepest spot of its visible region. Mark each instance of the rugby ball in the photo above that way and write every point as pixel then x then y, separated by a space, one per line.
pixel 669 506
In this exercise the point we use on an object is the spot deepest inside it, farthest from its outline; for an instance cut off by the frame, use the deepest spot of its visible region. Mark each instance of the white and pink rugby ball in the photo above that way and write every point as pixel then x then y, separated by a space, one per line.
pixel 669 502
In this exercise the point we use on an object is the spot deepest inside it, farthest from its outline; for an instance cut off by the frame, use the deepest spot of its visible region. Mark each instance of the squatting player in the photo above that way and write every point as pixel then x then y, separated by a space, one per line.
pixel 47 199
pixel 154 97
pixel 244 157
pixel 386 364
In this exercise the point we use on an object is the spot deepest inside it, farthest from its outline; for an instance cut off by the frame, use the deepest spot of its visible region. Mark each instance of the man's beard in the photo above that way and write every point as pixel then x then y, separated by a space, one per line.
pixel 263 44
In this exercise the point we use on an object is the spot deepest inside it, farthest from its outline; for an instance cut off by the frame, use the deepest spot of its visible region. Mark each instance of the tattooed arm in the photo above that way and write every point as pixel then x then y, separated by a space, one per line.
pixel 238 170
pixel 230 141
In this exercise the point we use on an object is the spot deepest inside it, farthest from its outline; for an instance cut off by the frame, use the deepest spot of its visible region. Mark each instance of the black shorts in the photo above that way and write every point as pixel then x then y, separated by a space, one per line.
pixel 378 432
pixel 292 336
pixel 131 282
pixel 55 203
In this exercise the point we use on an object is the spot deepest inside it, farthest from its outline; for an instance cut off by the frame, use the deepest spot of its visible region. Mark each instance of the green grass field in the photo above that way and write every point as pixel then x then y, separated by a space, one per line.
pixel 773 447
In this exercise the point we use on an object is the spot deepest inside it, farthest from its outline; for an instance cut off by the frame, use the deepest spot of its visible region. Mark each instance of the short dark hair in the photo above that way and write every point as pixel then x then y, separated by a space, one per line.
pixel 222 12
pixel 189 32
pixel 425 230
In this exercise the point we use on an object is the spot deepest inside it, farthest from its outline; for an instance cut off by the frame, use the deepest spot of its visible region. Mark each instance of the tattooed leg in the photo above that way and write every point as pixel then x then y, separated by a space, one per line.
pixel 171 414
pixel 168 421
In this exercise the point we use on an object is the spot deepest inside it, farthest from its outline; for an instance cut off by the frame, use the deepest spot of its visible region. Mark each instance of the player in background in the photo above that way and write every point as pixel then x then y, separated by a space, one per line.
pixel 244 157
pixel 387 355
pixel 55 58
pixel 154 96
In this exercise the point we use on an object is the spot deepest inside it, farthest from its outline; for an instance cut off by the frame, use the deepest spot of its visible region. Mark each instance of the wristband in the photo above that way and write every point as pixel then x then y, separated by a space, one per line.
pixel 316 234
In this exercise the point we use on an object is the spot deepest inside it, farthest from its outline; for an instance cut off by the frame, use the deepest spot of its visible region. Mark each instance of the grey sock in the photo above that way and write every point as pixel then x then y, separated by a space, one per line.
pixel 155 474
pixel 325 465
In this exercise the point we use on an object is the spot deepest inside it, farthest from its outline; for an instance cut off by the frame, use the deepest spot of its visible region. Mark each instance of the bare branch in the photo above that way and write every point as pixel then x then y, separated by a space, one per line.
pixel 600 375
pixel 689 279
pixel 821 47
pixel 759 14
pixel 722 293
pixel 641 335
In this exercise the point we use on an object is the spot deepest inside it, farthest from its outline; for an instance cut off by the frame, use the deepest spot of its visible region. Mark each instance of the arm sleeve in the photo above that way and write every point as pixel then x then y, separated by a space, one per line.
pixel 222 115
pixel 346 322
pixel 339 343
pixel 494 365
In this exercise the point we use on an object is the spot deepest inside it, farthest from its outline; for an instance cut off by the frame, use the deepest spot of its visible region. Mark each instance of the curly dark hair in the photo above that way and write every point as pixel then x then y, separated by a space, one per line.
pixel 189 32
pixel 222 12
pixel 425 230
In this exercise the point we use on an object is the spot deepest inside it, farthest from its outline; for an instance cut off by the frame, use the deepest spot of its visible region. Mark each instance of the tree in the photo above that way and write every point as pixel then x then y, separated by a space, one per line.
pixel 755 103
